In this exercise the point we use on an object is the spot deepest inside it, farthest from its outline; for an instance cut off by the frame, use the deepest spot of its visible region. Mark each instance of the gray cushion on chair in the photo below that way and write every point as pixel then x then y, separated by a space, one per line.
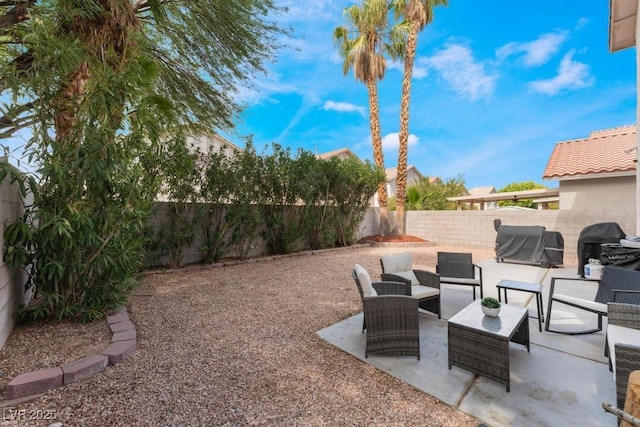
pixel 420 292
pixel 365 281
pixel 400 264
pixel 459 281
pixel 619 334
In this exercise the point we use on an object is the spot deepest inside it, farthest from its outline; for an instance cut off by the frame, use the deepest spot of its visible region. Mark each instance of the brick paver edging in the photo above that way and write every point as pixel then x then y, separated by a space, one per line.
pixel 123 343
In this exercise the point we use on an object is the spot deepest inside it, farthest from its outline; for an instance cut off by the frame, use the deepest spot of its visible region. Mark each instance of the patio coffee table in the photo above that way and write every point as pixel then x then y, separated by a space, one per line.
pixel 480 343
pixel 533 288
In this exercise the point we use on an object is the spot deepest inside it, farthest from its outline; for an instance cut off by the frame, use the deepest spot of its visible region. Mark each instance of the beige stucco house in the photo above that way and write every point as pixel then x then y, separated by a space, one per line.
pixel 482 191
pixel 623 33
pixel 211 141
pixel 413 175
pixel 596 172
pixel 342 153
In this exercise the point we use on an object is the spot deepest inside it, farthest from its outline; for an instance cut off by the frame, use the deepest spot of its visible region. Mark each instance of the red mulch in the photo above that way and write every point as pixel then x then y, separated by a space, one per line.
pixel 392 239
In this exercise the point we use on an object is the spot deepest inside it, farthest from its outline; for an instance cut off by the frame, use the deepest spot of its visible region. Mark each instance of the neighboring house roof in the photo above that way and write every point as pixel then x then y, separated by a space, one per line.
pixel 609 152
pixel 392 173
pixel 479 191
pixel 341 153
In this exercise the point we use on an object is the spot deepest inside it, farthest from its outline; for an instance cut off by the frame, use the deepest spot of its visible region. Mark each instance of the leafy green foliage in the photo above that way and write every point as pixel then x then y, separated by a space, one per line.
pixel 490 302
pixel 278 192
pixel 519 186
pixel 353 186
pixel 432 194
pixel 102 85
pixel 294 202
pixel 244 214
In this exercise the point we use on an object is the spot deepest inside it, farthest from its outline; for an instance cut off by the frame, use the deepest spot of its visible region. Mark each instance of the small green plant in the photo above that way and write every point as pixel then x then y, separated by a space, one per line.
pixel 490 302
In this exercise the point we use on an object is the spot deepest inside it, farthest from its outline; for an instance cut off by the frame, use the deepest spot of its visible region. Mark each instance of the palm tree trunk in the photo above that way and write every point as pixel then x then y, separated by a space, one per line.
pixel 378 155
pixel 68 100
pixel 401 180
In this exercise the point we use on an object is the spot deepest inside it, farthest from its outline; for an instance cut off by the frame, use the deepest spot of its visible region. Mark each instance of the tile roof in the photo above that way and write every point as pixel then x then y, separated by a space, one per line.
pixel 608 151
pixel 478 191
pixel 341 152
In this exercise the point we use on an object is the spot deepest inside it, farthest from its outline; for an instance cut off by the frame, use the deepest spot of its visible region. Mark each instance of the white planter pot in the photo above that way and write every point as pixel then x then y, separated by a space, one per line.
pixel 492 312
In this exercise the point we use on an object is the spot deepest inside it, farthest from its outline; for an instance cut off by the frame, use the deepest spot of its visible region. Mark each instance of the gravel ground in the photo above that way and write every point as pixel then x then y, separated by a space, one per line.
pixel 231 346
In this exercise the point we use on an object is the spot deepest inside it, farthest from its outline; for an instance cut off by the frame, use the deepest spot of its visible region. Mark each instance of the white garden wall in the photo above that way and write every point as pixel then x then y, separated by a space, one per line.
pixel 11 281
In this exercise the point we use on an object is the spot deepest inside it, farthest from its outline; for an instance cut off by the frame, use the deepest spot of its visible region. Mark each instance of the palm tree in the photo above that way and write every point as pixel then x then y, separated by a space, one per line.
pixel 417 14
pixel 364 53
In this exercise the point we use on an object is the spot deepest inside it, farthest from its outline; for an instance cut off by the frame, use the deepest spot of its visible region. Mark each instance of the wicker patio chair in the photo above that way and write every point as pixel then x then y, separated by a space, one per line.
pixel 367 288
pixel 624 358
pixel 425 285
pixel 616 284
pixel 391 321
pixel 458 269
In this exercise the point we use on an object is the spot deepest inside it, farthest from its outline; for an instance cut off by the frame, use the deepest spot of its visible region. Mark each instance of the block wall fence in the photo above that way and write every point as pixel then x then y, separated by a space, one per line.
pixel 476 229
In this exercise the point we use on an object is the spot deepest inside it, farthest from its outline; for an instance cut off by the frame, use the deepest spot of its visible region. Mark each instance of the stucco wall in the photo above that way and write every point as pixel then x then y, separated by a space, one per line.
pixel 11 281
pixel 617 193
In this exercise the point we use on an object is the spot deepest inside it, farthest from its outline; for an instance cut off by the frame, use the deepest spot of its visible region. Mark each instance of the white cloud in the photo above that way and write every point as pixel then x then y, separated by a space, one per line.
pixel 465 75
pixel 391 141
pixel 536 52
pixel 417 73
pixel 582 22
pixel 309 10
pixel 571 75
pixel 343 107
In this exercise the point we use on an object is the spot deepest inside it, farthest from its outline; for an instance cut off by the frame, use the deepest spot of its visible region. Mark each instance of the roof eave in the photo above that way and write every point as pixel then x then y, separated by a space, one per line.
pixel 622 24
pixel 590 176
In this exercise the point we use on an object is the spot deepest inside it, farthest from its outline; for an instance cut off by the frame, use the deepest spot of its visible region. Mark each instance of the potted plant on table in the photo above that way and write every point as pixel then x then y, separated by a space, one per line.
pixel 490 306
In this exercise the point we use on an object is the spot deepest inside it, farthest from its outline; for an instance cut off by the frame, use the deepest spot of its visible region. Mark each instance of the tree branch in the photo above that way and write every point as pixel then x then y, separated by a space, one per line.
pixel 16 14
pixel 143 5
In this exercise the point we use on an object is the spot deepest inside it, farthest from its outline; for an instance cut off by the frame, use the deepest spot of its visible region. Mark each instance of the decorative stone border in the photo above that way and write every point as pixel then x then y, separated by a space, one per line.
pixel 123 344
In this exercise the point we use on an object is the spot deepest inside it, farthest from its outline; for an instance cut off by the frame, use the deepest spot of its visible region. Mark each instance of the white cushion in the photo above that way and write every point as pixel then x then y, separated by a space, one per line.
pixel 421 292
pixel 396 263
pixel 459 281
pixel 620 335
pixel 365 281
pixel 591 305
pixel 409 275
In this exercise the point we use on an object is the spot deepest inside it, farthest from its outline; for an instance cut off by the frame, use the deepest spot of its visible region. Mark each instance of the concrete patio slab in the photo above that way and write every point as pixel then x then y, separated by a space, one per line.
pixel 562 381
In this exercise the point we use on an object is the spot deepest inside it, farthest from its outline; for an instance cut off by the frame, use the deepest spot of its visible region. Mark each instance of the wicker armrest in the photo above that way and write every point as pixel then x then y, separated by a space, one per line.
pixel 627 315
pixel 392 287
pixel 428 278
pixel 390 277
pixel 627 361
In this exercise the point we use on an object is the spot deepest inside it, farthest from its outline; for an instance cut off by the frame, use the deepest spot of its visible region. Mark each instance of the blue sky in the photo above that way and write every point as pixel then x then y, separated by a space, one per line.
pixel 496 85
